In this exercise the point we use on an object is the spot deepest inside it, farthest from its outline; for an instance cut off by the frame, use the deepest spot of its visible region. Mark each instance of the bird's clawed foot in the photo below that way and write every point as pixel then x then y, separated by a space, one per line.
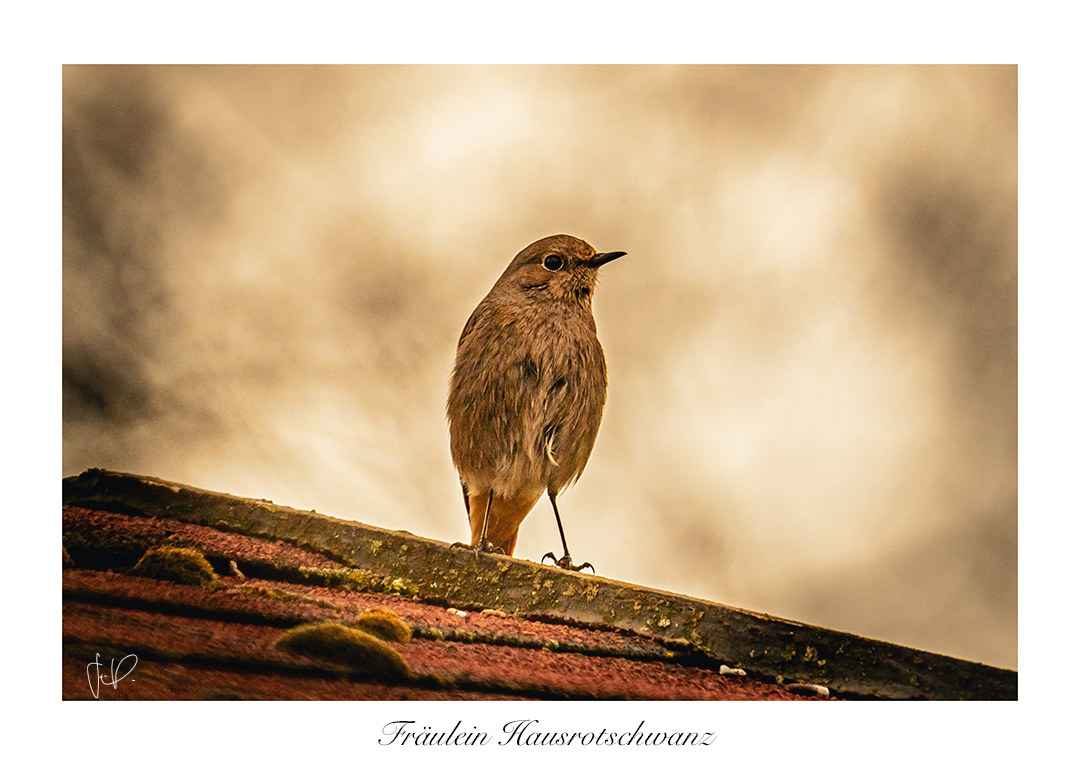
pixel 566 563
pixel 481 547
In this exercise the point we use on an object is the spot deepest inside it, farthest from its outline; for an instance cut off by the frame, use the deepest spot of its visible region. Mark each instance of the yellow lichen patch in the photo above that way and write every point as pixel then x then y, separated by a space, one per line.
pixel 180 565
pixel 384 624
pixel 400 586
pixel 355 649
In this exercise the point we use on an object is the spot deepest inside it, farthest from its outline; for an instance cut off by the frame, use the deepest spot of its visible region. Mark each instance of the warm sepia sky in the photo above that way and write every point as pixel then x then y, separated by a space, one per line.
pixel 812 344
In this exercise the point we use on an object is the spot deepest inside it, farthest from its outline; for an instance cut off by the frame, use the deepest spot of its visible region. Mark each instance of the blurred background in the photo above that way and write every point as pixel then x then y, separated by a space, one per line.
pixel 812 344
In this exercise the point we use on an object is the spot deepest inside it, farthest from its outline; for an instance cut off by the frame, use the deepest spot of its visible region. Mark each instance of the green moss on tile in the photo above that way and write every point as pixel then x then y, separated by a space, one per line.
pixel 361 580
pixel 339 577
pixel 179 565
pixel 384 624
pixel 352 648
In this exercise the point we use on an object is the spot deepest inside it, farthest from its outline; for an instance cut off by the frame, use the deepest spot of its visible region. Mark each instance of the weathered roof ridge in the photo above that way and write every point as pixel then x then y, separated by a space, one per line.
pixel 434 571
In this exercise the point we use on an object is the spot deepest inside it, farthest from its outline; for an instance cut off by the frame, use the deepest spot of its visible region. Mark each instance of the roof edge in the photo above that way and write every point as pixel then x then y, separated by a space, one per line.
pixel 432 570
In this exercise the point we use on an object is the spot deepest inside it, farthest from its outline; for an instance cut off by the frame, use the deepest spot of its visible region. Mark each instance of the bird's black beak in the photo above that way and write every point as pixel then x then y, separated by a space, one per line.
pixel 600 259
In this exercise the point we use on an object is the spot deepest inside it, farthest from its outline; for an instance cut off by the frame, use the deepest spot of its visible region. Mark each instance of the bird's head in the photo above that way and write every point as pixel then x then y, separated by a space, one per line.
pixel 556 268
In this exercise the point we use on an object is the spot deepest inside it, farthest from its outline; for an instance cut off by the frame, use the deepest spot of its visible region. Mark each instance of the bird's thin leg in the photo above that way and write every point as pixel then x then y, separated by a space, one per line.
pixel 465 493
pixel 483 545
pixel 565 562
pixel 487 514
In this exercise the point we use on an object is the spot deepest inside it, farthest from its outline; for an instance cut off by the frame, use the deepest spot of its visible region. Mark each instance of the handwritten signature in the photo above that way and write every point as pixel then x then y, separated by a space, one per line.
pixel 115 675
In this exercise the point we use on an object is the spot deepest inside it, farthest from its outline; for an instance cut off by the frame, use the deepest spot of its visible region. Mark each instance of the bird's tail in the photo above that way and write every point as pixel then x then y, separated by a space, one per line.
pixel 504 518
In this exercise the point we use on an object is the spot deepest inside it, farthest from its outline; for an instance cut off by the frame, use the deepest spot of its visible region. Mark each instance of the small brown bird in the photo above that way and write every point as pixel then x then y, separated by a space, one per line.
pixel 528 390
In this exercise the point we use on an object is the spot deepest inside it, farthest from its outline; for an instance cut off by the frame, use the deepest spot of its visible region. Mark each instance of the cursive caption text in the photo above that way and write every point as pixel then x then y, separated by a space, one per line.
pixel 529 732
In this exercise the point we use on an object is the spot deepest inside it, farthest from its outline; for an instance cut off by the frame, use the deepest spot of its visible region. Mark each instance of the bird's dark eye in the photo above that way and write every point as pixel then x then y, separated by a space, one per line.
pixel 553 262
